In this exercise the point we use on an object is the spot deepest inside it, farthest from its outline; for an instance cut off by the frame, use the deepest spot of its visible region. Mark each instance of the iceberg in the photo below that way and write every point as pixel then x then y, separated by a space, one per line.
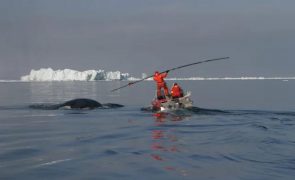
pixel 48 74
pixel 117 75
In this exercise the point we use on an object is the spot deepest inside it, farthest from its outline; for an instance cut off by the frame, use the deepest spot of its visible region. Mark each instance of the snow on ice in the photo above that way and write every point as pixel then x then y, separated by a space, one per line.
pixel 94 75
pixel 72 75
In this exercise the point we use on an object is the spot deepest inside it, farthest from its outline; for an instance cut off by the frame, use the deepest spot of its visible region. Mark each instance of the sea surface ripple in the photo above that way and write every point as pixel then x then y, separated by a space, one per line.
pixel 128 143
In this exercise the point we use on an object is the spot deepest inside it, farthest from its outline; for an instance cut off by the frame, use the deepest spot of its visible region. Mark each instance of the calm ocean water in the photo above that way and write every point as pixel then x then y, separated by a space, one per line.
pixel 253 138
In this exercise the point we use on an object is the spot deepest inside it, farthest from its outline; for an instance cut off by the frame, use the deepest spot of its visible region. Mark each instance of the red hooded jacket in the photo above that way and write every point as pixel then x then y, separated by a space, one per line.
pixel 159 78
pixel 176 91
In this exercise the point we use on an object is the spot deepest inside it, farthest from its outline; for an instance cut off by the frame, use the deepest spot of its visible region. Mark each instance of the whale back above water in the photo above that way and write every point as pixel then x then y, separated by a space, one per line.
pixel 112 105
pixel 81 104
pixel 76 104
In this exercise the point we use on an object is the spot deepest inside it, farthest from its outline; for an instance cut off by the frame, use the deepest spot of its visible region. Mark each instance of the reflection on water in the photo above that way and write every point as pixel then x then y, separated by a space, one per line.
pixel 64 91
pixel 58 91
pixel 165 143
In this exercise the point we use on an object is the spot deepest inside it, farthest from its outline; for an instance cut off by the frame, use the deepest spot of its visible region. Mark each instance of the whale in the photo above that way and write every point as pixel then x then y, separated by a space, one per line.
pixel 81 103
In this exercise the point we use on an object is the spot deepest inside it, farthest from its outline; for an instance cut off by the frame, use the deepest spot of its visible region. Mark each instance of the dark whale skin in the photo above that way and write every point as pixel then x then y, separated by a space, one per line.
pixel 81 104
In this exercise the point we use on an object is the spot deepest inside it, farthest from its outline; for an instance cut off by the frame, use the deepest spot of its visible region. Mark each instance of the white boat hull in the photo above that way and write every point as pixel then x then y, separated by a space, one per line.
pixel 173 104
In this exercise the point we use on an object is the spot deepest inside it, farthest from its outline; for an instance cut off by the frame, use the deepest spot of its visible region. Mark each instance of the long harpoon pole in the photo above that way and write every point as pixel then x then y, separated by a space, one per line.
pixel 172 69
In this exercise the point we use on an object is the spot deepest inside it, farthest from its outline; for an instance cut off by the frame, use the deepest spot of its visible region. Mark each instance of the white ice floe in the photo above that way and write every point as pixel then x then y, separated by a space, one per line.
pixel 73 75
pixel 230 78
pixel 8 81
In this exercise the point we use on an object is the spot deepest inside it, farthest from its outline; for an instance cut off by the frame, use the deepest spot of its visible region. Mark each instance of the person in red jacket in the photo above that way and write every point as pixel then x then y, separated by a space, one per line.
pixel 176 91
pixel 159 78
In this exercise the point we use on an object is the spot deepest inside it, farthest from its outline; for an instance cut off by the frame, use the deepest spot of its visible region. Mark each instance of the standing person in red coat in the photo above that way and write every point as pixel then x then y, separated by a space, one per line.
pixel 159 78
pixel 176 91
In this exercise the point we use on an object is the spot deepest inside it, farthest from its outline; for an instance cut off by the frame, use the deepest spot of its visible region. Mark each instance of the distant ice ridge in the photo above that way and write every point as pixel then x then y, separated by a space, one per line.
pixel 48 74
pixel 231 78
pixel 225 78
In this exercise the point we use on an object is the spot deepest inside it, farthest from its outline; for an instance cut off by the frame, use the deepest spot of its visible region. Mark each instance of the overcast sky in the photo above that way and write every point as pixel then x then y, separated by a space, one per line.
pixel 144 35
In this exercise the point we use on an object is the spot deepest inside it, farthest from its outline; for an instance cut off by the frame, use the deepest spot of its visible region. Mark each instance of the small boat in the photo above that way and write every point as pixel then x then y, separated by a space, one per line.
pixel 168 104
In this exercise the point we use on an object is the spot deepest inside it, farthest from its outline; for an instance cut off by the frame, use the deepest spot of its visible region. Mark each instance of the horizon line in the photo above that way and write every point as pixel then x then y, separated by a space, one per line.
pixel 178 79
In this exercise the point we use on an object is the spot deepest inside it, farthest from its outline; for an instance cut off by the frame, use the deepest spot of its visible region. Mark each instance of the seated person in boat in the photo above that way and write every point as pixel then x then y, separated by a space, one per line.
pixel 176 91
